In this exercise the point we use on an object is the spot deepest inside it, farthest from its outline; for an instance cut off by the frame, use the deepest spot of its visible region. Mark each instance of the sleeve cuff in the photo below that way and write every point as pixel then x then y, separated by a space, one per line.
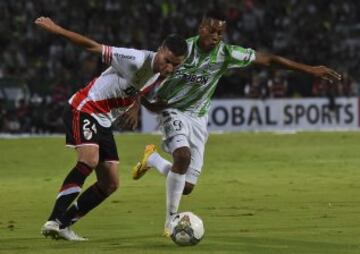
pixel 106 54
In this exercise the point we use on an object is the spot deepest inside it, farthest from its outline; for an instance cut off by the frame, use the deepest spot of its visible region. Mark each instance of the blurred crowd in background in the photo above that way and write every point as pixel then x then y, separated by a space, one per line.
pixel 39 71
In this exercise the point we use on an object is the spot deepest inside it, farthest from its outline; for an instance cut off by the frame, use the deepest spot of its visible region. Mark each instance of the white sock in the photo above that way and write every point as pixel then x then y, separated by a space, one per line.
pixel 163 166
pixel 175 184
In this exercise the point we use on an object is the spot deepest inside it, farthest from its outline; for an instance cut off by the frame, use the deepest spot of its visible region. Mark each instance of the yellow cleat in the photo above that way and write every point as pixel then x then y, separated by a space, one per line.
pixel 166 233
pixel 141 167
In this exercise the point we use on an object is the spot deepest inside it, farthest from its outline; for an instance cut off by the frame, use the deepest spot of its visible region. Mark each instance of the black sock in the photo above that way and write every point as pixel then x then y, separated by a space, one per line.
pixel 87 201
pixel 70 189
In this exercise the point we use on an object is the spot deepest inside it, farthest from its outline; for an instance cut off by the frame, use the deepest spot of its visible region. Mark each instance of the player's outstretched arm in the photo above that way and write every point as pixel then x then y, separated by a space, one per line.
pixel 78 39
pixel 318 71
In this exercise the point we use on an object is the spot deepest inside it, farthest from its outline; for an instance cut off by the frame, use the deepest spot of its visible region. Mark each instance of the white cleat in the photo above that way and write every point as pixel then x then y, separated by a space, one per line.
pixel 50 228
pixel 68 234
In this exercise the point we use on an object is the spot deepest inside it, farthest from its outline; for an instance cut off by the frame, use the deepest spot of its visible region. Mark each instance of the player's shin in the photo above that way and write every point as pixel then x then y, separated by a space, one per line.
pixel 174 188
pixel 70 189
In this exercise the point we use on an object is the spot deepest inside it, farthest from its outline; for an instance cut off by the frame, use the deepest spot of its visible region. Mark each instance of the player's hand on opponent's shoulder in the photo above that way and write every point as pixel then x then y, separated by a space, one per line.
pixel 325 73
pixel 47 24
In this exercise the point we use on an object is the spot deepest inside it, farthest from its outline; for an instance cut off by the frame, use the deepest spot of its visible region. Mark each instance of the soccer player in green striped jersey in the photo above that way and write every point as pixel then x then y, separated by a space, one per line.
pixel 188 93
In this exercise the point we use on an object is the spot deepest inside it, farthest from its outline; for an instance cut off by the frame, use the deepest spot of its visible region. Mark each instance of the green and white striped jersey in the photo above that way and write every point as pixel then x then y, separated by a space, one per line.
pixel 192 85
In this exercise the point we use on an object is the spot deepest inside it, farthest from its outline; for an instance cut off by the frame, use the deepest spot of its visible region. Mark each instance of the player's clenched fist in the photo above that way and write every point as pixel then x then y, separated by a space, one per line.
pixel 47 24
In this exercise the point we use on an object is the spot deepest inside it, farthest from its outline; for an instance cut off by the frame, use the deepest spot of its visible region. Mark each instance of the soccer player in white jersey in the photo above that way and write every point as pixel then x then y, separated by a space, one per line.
pixel 90 114
pixel 188 92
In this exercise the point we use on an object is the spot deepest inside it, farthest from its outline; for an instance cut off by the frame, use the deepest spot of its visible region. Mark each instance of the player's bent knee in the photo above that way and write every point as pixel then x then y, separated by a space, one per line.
pixel 110 187
pixel 91 162
pixel 88 155
pixel 188 188
pixel 182 159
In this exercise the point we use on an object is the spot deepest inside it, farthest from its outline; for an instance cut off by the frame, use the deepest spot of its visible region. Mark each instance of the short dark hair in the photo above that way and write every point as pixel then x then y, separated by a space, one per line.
pixel 214 14
pixel 176 44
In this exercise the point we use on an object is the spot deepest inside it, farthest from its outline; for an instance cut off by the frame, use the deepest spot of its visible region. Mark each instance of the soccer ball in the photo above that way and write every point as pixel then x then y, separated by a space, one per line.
pixel 187 229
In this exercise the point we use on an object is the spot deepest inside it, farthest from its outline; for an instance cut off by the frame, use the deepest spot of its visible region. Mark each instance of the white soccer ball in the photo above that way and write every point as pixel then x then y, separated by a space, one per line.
pixel 187 229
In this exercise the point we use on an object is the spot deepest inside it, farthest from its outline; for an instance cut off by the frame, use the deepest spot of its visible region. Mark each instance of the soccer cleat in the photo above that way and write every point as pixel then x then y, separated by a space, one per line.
pixel 166 233
pixel 68 234
pixel 141 167
pixel 50 228
pixel 168 225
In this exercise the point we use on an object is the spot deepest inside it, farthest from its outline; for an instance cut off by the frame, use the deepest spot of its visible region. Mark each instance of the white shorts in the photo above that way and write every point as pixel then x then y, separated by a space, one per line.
pixel 181 129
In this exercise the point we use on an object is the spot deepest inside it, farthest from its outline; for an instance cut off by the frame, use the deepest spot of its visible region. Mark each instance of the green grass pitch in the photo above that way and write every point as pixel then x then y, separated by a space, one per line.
pixel 258 194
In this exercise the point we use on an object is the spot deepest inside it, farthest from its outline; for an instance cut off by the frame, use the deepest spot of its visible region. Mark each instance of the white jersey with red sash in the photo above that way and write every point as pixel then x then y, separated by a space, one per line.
pixel 106 97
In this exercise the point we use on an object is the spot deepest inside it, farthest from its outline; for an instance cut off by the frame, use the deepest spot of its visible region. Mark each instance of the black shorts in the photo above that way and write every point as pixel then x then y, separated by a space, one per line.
pixel 82 129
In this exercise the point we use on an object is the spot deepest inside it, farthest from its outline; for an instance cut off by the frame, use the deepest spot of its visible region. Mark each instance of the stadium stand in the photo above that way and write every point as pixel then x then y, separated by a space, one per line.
pixel 39 71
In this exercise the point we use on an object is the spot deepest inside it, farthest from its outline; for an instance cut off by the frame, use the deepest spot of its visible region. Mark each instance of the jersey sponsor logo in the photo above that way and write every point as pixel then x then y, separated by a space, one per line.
pixel 129 57
pixel 193 78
